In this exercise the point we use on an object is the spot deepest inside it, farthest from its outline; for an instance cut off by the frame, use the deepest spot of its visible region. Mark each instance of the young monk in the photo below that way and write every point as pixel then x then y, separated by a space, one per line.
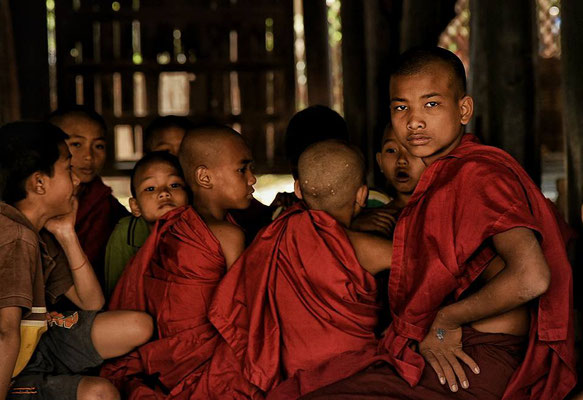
pixel 99 211
pixel 157 187
pixel 402 171
pixel 174 274
pixel 41 259
pixel 166 134
pixel 303 295
pixel 457 326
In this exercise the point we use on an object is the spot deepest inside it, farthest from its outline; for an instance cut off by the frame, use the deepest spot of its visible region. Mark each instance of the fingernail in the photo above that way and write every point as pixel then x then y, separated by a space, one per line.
pixel 465 384
pixel 454 388
pixel 477 370
pixel 442 380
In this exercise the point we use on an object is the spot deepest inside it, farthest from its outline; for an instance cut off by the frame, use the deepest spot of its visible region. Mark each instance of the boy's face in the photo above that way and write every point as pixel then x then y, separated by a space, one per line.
pixel 233 177
pixel 159 189
pixel 168 139
pixel 60 186
pixel 428 111
pixel 87 145
pixel 401 169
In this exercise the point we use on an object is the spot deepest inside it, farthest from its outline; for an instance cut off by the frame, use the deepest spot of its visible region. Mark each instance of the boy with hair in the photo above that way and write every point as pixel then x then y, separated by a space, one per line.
pixel 174 274
pixel 166 133
pixel 99 211
pixel 36 186
pixel 157 186
pixel 302 297
pixel 473 206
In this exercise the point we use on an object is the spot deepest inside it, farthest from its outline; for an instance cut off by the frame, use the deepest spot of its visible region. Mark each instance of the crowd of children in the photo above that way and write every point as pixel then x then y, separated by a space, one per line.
pixel 456 284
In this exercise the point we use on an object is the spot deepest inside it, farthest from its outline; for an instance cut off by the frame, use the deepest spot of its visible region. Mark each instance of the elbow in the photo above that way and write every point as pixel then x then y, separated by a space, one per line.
pixel 96 304
pixel 539 282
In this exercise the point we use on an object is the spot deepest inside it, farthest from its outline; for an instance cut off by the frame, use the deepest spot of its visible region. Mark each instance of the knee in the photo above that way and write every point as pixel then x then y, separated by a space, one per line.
pixel 94 388
pixel 140 326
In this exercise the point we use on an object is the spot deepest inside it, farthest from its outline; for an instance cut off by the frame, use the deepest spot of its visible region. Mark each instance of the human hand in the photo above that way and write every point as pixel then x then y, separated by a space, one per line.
pixel 63 225
pixel 380 220
pixel 441 348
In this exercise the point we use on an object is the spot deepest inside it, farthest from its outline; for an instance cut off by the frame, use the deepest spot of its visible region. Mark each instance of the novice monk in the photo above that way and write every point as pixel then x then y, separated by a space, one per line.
pixel 174 274
pixel 402 171
pixel 157 186
pixel 166 133
pixel 98 211
pixel 36 185
pixel 303 295
pixel 473 203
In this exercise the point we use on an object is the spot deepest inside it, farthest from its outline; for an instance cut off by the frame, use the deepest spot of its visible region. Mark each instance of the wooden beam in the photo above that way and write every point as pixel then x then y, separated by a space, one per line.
pixel 502 78
pixel 317 52
pixel 572 78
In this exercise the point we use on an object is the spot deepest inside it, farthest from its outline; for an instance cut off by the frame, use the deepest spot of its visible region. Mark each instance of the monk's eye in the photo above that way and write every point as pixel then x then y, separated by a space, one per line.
pixel 149 189
pixel 75 144
pixel 100 146
pixel 400 108
pixel 242 170
pixel 391 150
pixel 175 185
pixel 431 104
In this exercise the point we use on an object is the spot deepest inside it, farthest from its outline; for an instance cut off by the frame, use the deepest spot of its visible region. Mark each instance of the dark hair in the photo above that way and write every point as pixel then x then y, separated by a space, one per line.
pixel 415 59
pixel 60 114
pixel 26 148
pixel 311 125
pixel 161 123
pixel 150 158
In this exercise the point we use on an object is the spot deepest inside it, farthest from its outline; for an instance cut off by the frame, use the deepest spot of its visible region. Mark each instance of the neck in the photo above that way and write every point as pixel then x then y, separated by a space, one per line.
pixel 209 210
pixel 402 199
pixel 343 216
pixel 35 214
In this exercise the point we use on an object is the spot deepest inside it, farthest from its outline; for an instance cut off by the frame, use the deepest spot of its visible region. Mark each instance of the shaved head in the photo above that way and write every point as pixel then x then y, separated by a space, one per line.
pixel 204 146
pixel 330 173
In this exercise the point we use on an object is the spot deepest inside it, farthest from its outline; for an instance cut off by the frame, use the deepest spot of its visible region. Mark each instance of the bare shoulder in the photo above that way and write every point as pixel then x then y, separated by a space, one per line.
pixel 374 253
pixel 231 239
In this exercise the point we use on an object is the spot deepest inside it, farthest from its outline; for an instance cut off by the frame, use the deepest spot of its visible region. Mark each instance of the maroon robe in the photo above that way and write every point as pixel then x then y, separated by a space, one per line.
pixel 172 277
pixel 97 215
pixel 297 299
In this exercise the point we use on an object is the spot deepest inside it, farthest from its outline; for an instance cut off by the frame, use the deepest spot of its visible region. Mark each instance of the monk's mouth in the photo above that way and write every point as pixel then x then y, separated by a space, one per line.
pixel 402 176
pixel 418 140
pixel 166 205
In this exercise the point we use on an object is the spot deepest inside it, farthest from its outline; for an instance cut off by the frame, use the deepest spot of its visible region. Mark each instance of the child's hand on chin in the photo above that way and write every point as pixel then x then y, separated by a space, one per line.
pixel 64 224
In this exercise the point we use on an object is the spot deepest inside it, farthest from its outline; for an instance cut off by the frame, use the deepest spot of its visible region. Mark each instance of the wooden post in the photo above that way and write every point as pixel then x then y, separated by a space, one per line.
pixel 502 78
pixel 423 21
pixel 9 100
pixel 317 52
pixel 571 59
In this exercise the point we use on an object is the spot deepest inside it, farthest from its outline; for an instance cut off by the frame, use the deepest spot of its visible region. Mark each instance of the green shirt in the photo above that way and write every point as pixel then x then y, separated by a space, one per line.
pixel 128 236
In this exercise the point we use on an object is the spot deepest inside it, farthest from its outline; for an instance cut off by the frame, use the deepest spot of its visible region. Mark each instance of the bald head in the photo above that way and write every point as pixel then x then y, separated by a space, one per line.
pixel 330 173
pixel 207 146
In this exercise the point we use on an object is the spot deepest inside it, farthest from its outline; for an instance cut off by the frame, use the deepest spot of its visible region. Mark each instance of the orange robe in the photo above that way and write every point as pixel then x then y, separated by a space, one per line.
pixel 172 277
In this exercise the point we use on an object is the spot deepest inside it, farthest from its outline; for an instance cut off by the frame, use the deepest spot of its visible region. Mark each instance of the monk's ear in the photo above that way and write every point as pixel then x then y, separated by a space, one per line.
pixel 298 189
pixel 202 177
pixel 362 196
pixel 379 158
pixel 466 109
pixel 37 183
pixel 135 207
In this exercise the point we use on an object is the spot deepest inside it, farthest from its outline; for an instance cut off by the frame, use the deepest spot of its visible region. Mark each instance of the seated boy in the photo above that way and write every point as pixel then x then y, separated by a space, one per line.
pixel 36 186
pixel 303 295
pixel 98 211
pixel 402 171
pixel 174 274
pixel 157 186
pixel 474 204
pixel 166 134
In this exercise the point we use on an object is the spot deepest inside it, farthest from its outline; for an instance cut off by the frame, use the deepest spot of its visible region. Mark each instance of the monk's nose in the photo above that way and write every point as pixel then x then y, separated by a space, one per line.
pixel 402 160
pixel 164 193
pixel 415 123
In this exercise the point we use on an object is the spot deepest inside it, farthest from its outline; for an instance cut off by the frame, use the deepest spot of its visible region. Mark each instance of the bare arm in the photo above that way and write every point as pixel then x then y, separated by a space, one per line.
pixel 86 291
pixel 525 277
pixel 374 253
pixel 232 240
pixel 9 345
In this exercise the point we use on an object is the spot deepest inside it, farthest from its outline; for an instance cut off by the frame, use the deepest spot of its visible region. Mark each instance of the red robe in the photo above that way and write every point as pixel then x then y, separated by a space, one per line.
pixel 97 215
pixel 172 277
pixel 441 246
pixel 296 299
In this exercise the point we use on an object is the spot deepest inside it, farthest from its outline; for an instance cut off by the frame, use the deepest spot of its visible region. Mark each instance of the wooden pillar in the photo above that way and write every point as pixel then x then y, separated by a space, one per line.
pixel 572 78
pixel 502 78
pixel 317 52
pixel 31 49
pixel 9 94
pixel 423 21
